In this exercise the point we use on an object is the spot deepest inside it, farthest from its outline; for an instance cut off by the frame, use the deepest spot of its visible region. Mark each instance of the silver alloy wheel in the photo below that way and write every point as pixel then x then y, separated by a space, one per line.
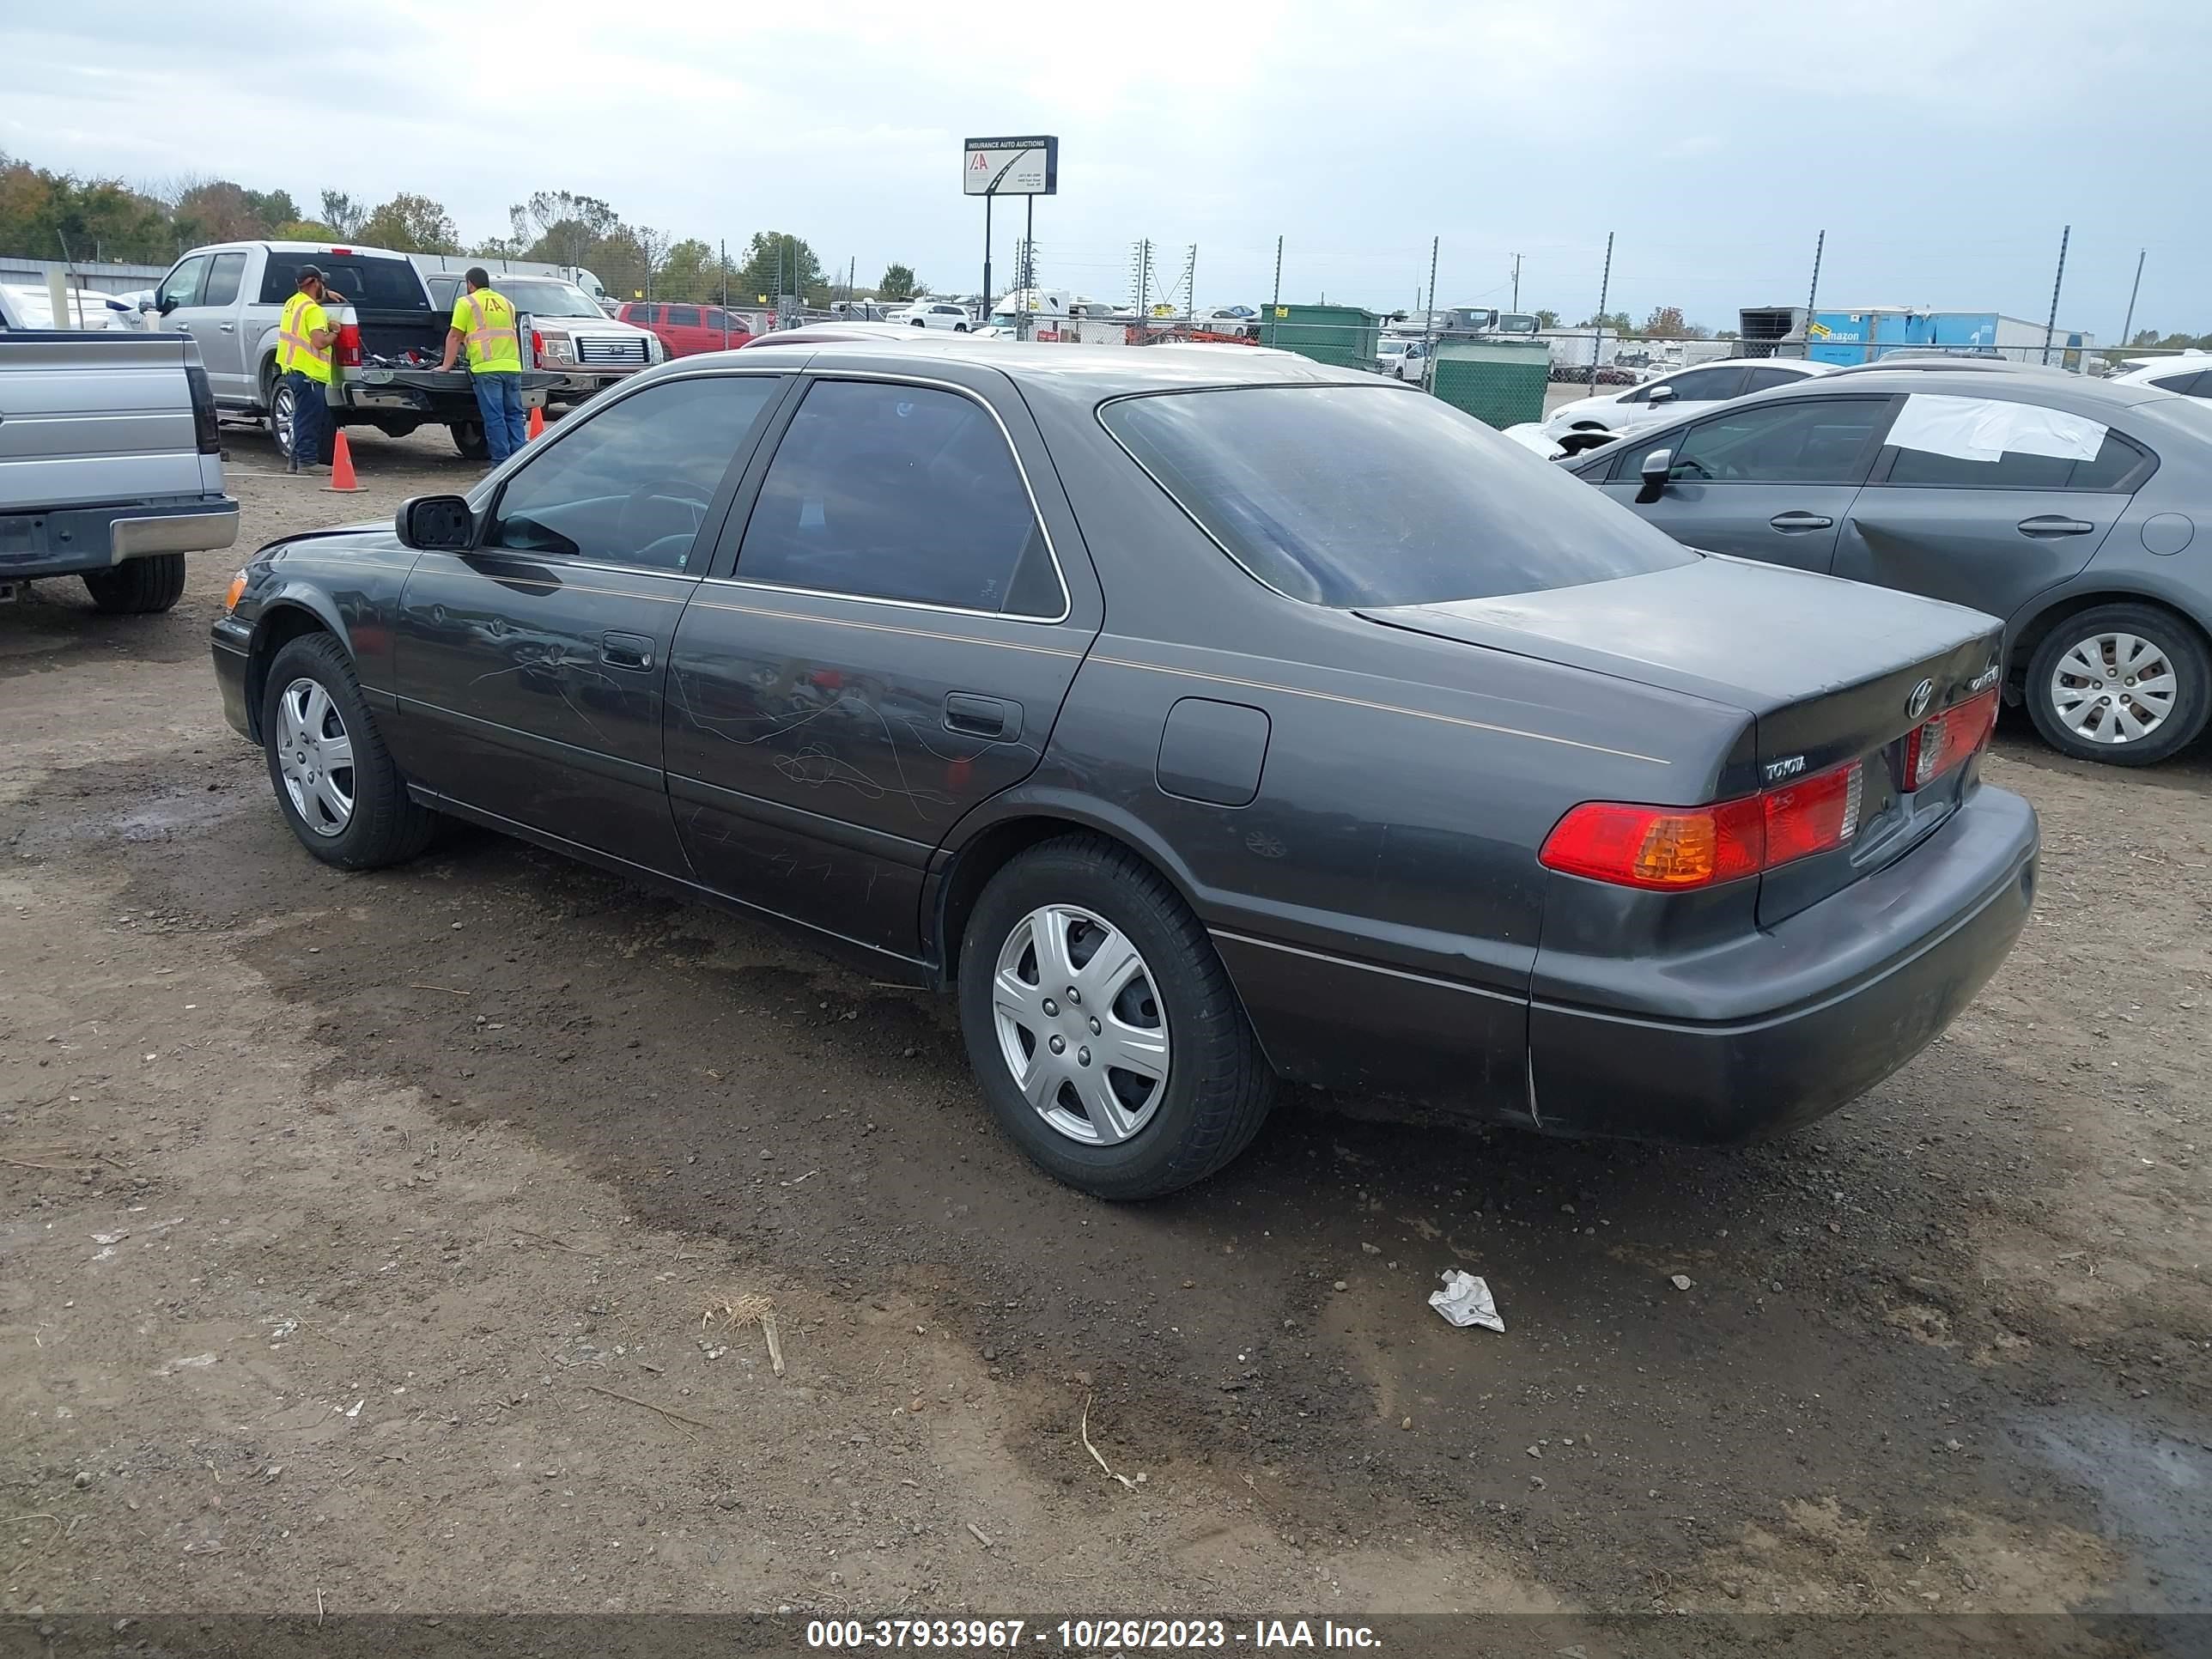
pixel 1080 1024
pixel 282 405
pixel 314 757
pixel 2113 688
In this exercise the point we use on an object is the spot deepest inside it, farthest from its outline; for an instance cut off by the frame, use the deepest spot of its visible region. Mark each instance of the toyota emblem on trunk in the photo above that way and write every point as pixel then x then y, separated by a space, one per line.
pixel 1917 704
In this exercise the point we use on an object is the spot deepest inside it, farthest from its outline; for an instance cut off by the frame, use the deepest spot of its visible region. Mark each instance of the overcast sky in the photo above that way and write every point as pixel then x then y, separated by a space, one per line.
pixel 1940 144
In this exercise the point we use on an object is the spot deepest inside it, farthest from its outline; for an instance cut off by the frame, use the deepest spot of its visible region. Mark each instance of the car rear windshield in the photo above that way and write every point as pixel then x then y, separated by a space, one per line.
pixel 1349 495
pixel 368 282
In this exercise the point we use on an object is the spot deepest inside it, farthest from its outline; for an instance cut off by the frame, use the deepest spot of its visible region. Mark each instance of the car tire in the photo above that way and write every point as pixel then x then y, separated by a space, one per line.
pixel 469 440
pixel 1218 1087
pixel 137 587
pixel 281 399
pixel 2108 636
pixel 918 322
pixel 382 824
pixel 959 328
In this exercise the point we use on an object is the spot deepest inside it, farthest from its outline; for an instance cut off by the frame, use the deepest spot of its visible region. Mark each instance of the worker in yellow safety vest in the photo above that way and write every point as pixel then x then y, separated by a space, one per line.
pixel 484 325
pixel 305 336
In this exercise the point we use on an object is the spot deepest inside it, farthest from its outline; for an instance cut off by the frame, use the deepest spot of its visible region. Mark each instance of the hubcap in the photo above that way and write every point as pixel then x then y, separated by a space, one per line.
pixel 314 757
pixel 2113 688
pixel 280 417
pixel 1080 1024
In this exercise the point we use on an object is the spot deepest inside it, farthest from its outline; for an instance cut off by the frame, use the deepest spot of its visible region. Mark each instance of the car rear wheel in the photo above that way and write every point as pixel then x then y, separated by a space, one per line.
pixel 139 587
pixel 2126 684
pixel 335 781
pixel 470 442
pixel 283 404
pixel 1101 1025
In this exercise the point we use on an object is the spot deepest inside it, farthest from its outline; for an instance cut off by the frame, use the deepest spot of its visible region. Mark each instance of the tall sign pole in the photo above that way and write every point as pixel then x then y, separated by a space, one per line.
pixel 1026 166
pixel 2127 328
pixel 2056 283
pixel 1604 289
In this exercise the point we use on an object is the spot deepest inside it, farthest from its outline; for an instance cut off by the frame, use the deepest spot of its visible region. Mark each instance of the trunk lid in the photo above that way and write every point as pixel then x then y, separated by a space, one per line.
pixel 1829 673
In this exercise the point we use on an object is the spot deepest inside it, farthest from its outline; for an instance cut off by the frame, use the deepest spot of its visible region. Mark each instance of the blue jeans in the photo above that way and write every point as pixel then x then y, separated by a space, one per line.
pixel 311 418
pixel 500 398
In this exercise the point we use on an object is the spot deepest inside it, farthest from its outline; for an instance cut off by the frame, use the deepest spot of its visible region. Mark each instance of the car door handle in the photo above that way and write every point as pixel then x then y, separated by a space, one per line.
pixel 1786 522
pixel 230 328
pixel 631 651
pixel 980 717
pixel 2049 524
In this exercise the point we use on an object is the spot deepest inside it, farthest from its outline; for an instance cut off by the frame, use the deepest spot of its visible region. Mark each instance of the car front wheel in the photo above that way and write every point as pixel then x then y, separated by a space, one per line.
pixel 1101 1025
pixel 2126 684
pixel 335 782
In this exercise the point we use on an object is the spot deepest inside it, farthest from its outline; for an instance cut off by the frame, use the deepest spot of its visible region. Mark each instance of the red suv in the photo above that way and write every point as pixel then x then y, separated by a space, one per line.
pixel 685 329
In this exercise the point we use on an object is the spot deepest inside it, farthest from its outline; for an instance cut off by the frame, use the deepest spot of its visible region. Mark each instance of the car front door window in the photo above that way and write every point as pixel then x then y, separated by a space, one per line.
pixel 181 286
pixel 631 483
pixel 1704 386
pixel 898 492
pixel 1819 440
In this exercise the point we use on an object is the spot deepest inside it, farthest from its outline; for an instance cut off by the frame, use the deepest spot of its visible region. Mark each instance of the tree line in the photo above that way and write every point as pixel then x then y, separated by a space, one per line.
pixel 45 215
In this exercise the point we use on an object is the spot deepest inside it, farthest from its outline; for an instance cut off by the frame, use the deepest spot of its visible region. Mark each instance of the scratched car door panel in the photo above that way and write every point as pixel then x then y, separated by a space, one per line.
pixel 891 647
pixel 533 666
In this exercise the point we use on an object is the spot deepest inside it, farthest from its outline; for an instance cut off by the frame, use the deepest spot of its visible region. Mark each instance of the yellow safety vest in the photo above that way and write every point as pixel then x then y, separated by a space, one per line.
pixel 294 339
pixel 486 321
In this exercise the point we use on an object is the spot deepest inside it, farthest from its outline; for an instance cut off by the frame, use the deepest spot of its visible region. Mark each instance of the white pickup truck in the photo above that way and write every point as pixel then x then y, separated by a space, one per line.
pixel 110 467
pixel 385 373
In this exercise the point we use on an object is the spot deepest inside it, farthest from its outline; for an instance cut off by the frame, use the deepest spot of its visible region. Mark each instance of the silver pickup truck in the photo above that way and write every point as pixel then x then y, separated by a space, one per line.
pixel 230 297
pixel 110 469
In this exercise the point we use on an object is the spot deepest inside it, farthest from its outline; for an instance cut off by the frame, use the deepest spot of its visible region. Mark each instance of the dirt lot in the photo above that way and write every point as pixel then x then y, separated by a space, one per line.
pixel 360 1234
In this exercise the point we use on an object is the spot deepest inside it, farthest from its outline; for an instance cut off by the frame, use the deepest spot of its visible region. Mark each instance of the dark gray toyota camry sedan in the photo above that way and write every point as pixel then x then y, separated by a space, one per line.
pixel 1201 721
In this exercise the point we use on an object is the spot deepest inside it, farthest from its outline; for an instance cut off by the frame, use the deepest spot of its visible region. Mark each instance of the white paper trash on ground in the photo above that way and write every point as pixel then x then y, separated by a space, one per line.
pixel 1466 1300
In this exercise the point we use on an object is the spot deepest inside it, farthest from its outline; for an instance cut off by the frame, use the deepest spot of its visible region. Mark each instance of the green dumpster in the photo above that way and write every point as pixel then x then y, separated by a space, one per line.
pixel 1500 382
pixel 1343 335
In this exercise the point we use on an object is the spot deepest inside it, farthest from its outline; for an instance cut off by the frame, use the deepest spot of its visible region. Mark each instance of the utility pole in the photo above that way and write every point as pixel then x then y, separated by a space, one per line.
pixel 1820 245
pixel 725 293
pixel 2056 283
pixel 1277 300
pixel 1516 285
pixel 1429 317
pixel 1604 289
pixel 2127 329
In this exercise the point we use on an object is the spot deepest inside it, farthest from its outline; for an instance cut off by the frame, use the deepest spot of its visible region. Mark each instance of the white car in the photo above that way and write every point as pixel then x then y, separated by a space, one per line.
pixel 2188 373
pixel 1684 392
pixel 1403 360
pixel 931 314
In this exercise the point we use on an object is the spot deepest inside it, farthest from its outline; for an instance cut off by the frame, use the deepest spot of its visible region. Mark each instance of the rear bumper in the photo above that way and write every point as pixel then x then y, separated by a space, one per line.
pixel 70 541
pixel 428 393
pixel 1806 1016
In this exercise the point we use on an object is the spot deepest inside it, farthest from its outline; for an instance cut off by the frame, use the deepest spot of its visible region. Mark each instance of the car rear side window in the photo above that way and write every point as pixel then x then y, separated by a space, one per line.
pixel 1372 495
pixel 222 279
pixel 1820 441
pixel 1765 379
pixel 2114 467
pixel 631 482
pixel 891 491
pixel 366 281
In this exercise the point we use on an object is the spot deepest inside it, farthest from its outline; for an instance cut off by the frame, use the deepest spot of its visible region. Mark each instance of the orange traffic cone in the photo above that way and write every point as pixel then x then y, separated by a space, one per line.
pixel 342 476
pixel 537 423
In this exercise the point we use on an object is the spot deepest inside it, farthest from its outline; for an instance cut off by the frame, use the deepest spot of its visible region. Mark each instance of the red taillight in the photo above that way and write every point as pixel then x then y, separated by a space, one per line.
pixel 1950 739
pixel 536 349
pixel 1669 848
pixel 349 345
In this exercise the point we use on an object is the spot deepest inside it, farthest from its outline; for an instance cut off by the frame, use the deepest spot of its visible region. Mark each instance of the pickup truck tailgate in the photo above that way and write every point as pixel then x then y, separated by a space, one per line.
pixel 87 418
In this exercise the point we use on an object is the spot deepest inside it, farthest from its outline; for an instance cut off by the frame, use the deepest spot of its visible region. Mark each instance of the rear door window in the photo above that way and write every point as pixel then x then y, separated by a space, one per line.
pixel 641 315
pixel 1765 379
pixel 223 277
pixel 1948 442
pixel 1352 496
pixel 683 316
pixel 899 492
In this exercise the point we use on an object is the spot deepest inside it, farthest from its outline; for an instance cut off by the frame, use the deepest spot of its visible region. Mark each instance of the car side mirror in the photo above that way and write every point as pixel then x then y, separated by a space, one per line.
pixel 1660 394
pixel 435 524
pixel 165 303
pixel 1657 467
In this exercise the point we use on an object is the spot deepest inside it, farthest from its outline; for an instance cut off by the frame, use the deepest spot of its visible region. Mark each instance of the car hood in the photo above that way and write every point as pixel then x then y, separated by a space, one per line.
pixel 1611 409
pixel 1758 637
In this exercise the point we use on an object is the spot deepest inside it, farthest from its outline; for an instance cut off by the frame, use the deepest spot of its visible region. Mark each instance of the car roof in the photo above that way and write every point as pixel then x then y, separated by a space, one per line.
pixel 2074 394
pixel 1095 372
pixel 2182 363
pixel 1944 364
pixel 1805 364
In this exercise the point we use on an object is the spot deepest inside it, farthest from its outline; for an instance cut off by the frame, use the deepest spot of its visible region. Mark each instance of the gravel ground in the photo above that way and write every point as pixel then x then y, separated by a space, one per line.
pixel 363 1239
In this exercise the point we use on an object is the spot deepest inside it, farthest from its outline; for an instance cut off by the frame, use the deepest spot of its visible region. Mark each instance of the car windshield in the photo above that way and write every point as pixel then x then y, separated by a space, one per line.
pixel 1349 495
pixel 543 297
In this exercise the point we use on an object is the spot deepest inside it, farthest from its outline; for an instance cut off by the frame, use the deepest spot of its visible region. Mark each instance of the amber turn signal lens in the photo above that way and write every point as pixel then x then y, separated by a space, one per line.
pixel 234 592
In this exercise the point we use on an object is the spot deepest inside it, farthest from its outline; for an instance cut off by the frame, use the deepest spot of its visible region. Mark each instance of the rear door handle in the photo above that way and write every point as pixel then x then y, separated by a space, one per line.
pixel 2049 524
pixel 631 651
pixel 1786 522
pixel 981 717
